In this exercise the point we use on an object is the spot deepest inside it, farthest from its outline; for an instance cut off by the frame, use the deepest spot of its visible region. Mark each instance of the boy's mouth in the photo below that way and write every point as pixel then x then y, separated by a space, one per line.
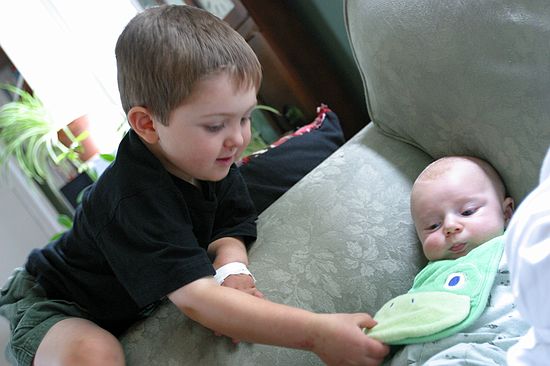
pixel 225 160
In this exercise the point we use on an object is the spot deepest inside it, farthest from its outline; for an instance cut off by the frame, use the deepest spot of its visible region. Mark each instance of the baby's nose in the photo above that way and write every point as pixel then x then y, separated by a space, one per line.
pixel 452 227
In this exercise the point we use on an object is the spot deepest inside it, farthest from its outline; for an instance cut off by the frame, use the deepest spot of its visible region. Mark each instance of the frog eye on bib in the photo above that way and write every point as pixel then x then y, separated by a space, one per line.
pixel 455 281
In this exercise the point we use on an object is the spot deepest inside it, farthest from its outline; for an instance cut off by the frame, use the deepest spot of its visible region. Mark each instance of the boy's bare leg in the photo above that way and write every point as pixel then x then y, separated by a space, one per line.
pixel 76 341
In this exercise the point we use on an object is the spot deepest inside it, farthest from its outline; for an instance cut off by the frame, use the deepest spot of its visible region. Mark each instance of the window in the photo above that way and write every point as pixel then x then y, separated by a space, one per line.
pixel 64 49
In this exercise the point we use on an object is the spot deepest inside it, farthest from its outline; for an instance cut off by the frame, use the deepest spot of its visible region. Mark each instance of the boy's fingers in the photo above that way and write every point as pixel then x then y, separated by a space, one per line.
pixel 367 321
pixel 257 293
pixel 377 349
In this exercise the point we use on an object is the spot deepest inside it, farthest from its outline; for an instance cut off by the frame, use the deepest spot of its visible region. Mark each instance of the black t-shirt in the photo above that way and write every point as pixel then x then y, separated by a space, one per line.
pixel 139 234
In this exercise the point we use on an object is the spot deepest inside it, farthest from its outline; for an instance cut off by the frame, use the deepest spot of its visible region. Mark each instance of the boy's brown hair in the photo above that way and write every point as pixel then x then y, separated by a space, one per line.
pixel 165 50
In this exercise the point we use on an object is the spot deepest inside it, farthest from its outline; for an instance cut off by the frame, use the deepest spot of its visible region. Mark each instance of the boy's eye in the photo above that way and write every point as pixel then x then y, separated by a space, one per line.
pixel 214 128
pixel 433 227
pixel 245 120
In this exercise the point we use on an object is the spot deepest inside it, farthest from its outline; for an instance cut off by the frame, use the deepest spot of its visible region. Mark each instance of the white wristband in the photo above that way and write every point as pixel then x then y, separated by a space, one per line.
pixel 231 269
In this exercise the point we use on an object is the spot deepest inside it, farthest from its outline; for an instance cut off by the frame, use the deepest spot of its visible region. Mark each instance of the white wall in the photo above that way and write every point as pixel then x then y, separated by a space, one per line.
pixel 27 221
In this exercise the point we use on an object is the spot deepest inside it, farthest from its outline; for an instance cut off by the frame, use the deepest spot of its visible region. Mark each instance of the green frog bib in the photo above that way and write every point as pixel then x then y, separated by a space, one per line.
pixel 446 297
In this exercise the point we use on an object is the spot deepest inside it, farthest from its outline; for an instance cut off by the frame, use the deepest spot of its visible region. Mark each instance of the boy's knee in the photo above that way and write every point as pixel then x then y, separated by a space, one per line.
pixel 74 342
pixel 104 350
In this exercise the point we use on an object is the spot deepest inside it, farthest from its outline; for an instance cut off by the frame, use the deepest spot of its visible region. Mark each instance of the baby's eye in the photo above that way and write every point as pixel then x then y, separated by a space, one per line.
pixel 245 120
pixel 469 212
pixel 433 226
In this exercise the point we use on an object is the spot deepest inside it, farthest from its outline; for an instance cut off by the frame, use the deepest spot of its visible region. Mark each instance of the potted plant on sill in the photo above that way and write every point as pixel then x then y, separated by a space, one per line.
pixel 29 135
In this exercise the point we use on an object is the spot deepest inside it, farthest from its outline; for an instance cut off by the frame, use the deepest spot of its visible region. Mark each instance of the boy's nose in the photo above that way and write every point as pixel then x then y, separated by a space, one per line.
pixel 235 138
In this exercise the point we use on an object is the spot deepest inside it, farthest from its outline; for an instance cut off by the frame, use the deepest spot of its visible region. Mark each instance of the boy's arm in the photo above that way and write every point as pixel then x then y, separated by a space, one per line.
pixel 337 339
pixel 227 250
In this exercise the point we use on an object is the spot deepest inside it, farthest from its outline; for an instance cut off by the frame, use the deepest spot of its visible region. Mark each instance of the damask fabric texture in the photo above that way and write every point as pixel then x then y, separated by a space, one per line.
pixel 528 248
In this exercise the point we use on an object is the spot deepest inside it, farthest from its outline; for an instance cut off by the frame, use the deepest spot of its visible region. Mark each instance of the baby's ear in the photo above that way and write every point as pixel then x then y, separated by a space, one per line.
pixel 142 123
pixel 508 206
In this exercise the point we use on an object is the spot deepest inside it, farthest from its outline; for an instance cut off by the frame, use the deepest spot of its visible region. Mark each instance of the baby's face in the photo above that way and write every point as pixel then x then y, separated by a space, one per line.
pixel 457 211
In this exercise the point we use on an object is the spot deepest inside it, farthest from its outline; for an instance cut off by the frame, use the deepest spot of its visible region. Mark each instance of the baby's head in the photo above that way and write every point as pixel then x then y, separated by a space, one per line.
pixel 457 204
pixel 164 51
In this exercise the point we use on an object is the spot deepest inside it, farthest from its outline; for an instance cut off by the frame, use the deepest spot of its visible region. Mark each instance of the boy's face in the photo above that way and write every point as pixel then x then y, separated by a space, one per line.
pixel 208 132
pixel 458 211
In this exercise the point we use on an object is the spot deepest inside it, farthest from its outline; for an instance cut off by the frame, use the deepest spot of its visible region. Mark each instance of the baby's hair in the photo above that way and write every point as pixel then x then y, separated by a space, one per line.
pixel 442 165
pixel 164 51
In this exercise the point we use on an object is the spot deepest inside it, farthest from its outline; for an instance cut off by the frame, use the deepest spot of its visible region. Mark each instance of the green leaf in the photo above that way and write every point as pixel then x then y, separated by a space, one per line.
pixel 268 108
pixel 57 236
pixel 83 136
pixel 107 157
pixel 79 196
pixel 65 221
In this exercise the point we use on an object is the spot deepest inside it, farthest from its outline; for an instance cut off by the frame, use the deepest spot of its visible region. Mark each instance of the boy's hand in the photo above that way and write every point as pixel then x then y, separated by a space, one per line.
pixel 244 283
pixel 338 339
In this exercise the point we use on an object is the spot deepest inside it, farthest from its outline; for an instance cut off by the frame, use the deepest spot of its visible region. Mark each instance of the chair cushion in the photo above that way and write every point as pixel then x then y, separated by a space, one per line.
pixel 475 81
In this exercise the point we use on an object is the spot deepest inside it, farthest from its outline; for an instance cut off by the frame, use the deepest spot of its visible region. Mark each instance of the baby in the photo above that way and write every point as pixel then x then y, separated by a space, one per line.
pixel 457 204
pixel 460 307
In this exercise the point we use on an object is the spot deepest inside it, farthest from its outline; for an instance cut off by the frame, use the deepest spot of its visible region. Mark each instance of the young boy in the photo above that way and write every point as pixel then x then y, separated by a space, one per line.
pixel 172 201
pixel 460 211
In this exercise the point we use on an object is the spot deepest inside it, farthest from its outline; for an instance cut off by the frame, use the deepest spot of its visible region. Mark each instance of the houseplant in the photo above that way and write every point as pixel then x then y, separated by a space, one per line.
pixel 31 137
pixel 29 134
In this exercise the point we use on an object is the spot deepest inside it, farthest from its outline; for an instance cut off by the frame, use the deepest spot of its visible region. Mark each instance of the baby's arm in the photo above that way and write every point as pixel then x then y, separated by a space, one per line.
pixel 336 338
pixel 227 250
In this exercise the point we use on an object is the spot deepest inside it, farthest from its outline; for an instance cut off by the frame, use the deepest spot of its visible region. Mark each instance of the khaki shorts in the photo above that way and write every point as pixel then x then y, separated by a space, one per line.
pixel 31 314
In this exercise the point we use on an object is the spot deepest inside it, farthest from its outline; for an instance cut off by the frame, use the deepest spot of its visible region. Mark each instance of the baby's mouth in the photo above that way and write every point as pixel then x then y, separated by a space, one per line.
pixel 458 247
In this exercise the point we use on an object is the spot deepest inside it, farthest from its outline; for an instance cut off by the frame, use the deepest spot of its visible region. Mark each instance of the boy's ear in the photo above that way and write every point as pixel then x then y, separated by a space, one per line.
pixel 142 122
pixel 508 205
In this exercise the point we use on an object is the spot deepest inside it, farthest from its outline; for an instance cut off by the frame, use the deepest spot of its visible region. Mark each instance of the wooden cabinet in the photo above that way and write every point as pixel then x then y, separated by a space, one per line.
pixel 310 70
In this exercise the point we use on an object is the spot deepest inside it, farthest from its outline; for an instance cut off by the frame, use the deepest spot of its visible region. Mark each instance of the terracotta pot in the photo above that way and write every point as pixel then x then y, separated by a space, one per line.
pixel 79 125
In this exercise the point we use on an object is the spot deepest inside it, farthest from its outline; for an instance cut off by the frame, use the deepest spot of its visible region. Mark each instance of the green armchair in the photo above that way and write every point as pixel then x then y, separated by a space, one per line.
pixel 441 77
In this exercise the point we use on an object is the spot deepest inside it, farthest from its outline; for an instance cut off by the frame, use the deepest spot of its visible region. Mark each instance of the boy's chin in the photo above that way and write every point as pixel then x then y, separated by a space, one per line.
pixel 216 176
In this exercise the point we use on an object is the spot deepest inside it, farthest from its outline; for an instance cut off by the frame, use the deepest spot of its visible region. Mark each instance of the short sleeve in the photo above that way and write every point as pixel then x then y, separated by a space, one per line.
pixel 151 247
pixel 236 214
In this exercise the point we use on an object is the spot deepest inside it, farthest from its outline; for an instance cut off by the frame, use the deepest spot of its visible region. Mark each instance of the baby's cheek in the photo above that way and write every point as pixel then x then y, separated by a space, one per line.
pixel 432 249
pixel 487 233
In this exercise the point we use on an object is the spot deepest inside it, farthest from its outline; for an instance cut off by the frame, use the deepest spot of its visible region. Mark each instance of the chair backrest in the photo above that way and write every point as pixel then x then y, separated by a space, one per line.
pixel 459 78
